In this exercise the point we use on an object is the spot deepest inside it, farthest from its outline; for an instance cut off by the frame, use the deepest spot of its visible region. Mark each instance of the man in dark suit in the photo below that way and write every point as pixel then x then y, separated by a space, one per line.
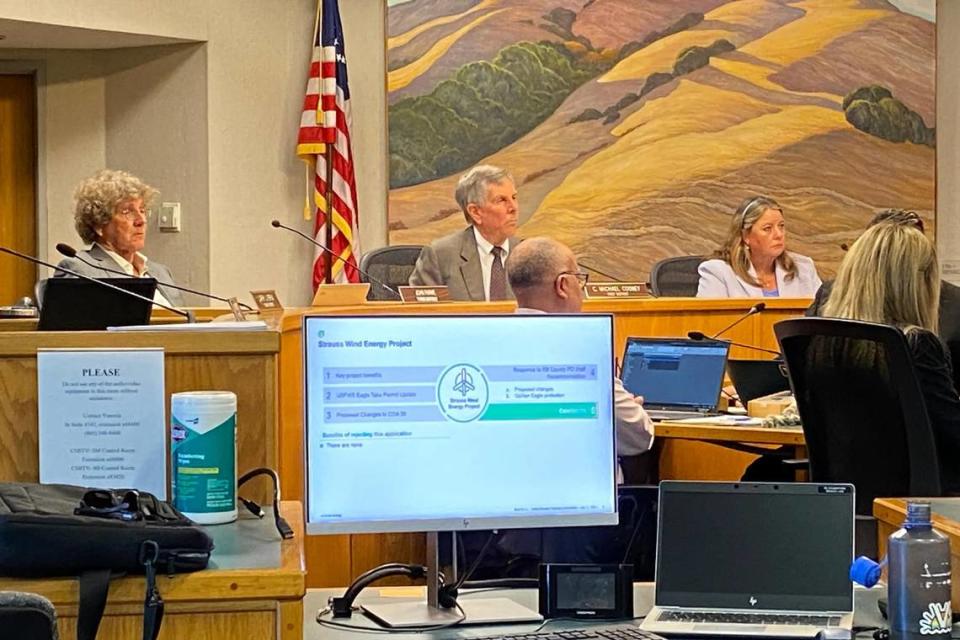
pixel 470 263
pixel 949 293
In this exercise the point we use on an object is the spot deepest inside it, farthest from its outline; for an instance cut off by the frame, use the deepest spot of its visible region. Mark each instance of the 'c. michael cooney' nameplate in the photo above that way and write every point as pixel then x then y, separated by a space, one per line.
pixel 616 290
pixel 424 294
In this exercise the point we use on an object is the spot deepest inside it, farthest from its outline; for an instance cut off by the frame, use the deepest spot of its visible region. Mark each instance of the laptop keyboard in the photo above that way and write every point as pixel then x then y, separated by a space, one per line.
pixel 668 414
pixel 715 617
pixel 592 632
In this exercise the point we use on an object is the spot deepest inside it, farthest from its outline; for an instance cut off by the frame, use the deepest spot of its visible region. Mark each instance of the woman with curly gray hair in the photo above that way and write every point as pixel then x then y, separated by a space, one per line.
pixel 110 214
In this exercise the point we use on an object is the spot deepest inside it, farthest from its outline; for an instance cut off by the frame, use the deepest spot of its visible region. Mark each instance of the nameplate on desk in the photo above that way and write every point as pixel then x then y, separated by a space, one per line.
pixel 267 301
pixel 346 294
pixel 424 294
pixel 616 290
pixel 102 418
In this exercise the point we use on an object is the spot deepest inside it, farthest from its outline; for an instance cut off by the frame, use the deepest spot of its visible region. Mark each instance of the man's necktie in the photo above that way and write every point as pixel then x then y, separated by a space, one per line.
pixel 498 277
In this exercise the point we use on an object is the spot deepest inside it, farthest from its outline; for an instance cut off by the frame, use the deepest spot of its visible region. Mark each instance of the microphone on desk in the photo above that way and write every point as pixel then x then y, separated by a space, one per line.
pixel 180 312
pixel 598 272
pixel 278 225
pixel 70 252
pixel 755 309
pixel 699 335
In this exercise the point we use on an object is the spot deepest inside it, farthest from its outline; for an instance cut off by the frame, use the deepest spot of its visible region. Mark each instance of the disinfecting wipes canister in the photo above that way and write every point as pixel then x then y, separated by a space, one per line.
pixel 203 434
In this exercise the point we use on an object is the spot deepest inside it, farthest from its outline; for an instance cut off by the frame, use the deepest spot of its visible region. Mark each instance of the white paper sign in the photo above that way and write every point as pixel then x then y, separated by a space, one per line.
pixel 102 418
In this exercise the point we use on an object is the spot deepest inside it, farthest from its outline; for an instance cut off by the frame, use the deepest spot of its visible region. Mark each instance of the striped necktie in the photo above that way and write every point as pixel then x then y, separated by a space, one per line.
pixel 498 277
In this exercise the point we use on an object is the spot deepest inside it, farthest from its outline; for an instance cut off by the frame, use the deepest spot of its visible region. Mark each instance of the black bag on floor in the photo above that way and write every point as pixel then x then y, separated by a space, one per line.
pixel 64 530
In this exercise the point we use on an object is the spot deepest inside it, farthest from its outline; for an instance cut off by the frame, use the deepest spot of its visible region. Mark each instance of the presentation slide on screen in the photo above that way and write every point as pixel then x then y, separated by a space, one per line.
pixel 454 417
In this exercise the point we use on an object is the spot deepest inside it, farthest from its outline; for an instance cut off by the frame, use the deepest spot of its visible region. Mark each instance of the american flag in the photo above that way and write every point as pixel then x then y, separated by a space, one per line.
pixel 325 132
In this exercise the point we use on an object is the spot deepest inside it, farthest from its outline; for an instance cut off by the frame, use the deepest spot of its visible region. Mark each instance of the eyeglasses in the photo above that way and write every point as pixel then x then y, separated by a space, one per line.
pixel 579 275
pixel 130 212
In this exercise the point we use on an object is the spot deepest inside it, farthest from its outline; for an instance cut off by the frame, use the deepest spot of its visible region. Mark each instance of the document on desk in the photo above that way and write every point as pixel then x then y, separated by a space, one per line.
pixel 247 325
pixel 102 418
pixel 724 421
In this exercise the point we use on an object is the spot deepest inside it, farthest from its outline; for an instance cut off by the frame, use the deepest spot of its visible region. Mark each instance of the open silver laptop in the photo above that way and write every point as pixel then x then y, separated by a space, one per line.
pixel 753 559
pixel 678 378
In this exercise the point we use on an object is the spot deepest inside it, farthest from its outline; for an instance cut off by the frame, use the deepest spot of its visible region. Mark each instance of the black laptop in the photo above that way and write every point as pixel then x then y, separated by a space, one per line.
pixel 757 378
pixel 74 304
pixel 678 378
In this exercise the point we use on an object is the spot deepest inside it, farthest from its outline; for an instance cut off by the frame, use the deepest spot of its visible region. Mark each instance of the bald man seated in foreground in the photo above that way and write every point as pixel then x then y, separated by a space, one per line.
pixel 545 278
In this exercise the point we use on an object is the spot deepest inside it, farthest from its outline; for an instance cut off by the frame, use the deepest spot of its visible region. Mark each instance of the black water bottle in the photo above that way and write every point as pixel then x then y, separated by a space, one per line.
pixel 919 578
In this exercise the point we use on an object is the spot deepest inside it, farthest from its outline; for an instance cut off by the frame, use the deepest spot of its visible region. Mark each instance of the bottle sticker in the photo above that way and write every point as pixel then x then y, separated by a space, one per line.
pixel 936 619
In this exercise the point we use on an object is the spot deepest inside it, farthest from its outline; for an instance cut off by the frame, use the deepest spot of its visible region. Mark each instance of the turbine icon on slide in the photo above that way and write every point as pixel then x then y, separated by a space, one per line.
pixel 463 383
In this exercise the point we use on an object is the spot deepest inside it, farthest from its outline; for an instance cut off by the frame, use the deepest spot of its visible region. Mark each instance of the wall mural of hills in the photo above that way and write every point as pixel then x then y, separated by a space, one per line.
pixel 635 127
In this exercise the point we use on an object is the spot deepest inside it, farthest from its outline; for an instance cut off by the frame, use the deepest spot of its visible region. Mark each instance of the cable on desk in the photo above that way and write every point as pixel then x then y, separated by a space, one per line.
pixel 448 592
pixel 283 528
pixel 476 586
pixel 342 607
pixel 353 627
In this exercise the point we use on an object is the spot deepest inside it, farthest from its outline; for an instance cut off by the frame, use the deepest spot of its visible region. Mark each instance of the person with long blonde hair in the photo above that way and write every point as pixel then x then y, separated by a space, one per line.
pixel 753 261
pixel 949 315
pixel 889 253
pixel 891 275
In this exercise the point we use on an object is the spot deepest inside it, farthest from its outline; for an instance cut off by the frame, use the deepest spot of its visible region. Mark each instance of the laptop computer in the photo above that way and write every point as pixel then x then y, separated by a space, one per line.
pixel 74 304
pixel 678 378
pixel 757 378
pixel 753 559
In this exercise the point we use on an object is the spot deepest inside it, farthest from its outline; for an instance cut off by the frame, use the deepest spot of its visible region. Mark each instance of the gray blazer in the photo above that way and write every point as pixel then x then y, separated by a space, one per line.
pixel 96 255
pixel 717 280
pixel 454 261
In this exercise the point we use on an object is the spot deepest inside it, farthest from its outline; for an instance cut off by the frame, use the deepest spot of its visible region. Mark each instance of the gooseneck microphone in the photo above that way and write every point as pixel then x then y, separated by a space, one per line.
pixel 699 335
pixel 70 252
pixel 755 309
pixel 179 312
pixel 278 225
pixel 598 272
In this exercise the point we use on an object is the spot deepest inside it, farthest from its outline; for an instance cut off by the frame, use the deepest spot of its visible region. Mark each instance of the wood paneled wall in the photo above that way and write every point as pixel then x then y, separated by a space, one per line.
pixel 18 184
pixel 242 362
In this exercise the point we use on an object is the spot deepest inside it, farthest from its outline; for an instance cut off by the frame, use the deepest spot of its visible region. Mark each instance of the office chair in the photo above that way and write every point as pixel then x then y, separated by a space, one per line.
pixel 391 265
pixel 27 615
pixel 863 414
pixel 38 288
pixel 676 277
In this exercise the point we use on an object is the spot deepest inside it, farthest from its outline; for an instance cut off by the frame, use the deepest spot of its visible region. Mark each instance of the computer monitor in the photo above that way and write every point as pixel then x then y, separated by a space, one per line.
pixel 436 423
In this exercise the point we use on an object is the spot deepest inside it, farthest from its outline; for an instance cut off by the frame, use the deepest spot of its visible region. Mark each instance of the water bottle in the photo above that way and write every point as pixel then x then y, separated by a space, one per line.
pixel 919 578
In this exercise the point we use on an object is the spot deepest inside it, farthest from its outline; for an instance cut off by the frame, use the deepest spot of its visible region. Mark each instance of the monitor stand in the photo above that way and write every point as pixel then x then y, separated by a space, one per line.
pixel 399 615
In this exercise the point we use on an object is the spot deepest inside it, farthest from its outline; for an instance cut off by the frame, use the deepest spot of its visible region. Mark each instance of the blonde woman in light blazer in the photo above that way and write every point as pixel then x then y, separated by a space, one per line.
pixel 753 261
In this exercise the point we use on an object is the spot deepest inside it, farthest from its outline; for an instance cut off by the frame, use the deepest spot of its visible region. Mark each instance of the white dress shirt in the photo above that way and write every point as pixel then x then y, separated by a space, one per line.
pixel 131 271
pixel 485 249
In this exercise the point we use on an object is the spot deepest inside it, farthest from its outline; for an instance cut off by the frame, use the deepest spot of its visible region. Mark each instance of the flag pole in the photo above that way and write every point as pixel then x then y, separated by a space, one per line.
pixel 328 213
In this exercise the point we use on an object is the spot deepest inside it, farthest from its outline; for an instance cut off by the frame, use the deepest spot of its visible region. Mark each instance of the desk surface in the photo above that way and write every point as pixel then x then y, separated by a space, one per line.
pixel 253 588
pixel 728 433
pixel 866 612
pixel 249 559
